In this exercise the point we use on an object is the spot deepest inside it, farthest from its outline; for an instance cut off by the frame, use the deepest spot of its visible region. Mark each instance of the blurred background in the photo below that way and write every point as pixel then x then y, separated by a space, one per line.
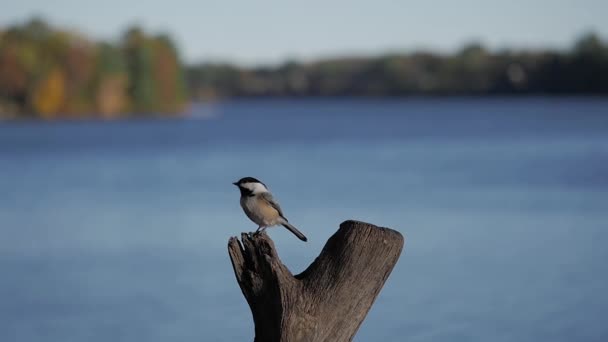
pixel 478 129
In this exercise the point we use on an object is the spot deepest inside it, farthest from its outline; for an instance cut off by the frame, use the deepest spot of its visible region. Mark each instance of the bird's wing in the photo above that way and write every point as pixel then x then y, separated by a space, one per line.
pixel 267 196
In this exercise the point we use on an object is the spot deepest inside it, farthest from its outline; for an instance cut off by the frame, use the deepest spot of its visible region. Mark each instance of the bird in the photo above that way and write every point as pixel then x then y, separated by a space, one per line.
pixel 261 207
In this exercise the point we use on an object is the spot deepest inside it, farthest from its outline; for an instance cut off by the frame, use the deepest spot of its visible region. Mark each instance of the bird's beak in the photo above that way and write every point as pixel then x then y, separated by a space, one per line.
pixel 236 183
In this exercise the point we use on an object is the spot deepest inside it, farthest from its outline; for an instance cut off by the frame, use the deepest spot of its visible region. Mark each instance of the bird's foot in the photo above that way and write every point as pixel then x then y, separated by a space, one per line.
pixel 259 230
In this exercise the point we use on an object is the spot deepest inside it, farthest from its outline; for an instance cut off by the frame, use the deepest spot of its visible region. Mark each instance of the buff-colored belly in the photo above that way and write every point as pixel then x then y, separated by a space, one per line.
pixel 259 211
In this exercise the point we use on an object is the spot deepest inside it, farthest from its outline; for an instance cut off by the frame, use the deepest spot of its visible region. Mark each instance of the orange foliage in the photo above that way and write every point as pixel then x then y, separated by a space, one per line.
pixel 165 76
pixel 50 73
pixel 111 95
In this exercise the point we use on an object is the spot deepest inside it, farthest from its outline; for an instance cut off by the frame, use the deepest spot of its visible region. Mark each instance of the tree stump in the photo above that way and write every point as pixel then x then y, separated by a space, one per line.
pixel 330 299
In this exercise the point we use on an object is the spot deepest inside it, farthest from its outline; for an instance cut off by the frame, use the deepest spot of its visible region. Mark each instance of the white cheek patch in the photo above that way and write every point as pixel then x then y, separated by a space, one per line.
pixel 256 188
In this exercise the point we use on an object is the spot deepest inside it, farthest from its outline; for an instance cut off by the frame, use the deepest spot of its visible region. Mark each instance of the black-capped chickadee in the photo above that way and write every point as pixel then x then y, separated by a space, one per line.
pixel 261 207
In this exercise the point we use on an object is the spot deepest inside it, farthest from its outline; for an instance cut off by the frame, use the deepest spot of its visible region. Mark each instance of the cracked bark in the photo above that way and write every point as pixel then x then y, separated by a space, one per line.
pixel 330 299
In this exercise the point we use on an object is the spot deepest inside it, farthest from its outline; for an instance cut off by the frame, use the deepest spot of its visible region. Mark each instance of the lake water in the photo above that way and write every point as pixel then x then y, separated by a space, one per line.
pixel 117 231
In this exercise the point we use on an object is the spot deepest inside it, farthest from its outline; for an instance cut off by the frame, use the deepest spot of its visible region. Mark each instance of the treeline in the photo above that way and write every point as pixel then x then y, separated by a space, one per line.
pixel 47 73
pixel 472 71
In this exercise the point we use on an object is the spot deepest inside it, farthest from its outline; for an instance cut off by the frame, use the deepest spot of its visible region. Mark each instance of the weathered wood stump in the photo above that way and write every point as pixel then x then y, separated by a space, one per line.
pixel 330 299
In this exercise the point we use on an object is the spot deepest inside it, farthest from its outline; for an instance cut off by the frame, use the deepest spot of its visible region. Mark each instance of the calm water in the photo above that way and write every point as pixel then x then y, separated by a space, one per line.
pixel 118 231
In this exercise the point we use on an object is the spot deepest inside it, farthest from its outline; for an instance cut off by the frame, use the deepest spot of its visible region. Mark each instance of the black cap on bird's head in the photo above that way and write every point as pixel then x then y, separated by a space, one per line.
pixel 246 180
pixel 250 186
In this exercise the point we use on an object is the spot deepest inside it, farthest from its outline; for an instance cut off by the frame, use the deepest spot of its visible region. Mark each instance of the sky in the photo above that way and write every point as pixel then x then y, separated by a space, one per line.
pixel 272 31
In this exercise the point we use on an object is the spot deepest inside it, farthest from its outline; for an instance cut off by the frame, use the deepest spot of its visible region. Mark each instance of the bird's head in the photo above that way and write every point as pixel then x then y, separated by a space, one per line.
pixel 250 186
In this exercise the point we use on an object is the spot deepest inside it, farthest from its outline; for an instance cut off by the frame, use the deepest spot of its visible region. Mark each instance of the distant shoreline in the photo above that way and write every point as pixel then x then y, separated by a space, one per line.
pixel 197 105
pixel 51 73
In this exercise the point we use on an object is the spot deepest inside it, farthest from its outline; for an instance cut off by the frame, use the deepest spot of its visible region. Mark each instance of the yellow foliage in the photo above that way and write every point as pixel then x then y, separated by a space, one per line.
pixel 49 94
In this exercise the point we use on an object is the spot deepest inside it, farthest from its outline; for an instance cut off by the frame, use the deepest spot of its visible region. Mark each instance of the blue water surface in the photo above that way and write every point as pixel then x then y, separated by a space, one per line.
pixel 117 231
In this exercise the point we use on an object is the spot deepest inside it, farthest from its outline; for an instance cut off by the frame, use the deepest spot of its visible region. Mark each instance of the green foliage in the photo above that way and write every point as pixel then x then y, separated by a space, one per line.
pixel 47 72
pixel 139 52
pixel 471 71
pixel 111 60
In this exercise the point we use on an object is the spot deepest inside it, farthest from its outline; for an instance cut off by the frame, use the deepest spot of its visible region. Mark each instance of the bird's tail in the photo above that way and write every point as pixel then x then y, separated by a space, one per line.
pixel 294 230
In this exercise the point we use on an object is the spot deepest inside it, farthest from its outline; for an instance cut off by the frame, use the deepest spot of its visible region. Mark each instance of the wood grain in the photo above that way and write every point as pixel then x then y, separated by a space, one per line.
pixel 330 299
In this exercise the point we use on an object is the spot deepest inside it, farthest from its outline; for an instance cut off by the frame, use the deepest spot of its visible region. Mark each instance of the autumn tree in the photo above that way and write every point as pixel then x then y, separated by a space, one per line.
pixel 49 73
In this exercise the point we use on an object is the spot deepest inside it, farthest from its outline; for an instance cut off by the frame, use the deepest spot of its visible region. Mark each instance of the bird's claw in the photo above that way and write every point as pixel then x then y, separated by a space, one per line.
pixel 258 231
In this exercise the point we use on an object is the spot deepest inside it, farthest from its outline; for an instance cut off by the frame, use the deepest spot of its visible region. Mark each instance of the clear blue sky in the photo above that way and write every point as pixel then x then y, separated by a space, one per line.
pixel 269 31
